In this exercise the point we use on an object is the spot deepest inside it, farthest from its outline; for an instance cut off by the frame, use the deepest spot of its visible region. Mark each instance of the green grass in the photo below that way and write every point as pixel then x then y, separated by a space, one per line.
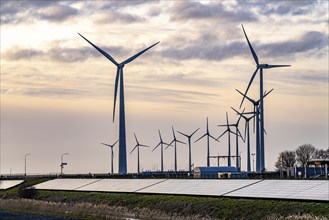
pixel 215 207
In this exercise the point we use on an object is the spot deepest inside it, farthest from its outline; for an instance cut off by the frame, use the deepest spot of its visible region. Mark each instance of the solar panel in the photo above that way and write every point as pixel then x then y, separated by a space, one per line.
pixel 6 184
pixel 65 184
pixel 120 185
pixel 197 186
pixel 279 189
pixel 320 192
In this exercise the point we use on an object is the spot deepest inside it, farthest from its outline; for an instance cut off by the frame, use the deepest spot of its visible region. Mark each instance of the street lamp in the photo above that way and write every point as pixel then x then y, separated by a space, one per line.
pixel 25 162
pixel 253 162
pixel 63 164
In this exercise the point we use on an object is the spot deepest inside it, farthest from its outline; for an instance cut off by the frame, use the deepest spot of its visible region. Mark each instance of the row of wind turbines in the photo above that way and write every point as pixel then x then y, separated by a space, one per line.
pixel 258 113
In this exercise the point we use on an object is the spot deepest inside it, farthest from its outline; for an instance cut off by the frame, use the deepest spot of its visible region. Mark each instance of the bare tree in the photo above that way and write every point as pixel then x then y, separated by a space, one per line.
pixel 288 159
pixel 322 154
pixel 305 153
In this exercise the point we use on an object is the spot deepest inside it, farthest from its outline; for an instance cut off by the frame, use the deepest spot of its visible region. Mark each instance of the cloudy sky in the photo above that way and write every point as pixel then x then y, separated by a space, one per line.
pixel 57 91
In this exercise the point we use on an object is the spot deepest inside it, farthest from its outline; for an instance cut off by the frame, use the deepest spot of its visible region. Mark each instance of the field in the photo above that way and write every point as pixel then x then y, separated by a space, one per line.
pixel 89 205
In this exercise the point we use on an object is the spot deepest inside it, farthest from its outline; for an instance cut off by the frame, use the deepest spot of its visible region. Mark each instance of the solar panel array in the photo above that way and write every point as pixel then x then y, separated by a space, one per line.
pixel 278 189
pixel 7 184
pixel 197 187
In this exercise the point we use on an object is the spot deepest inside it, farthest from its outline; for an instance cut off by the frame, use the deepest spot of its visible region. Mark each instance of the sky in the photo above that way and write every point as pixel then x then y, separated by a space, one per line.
pixel 57 90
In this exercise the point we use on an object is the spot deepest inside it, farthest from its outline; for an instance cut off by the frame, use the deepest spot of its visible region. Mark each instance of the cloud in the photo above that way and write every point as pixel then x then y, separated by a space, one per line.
pixel 190 10
pixel 60 54
pixel 14 12
pixel 308 42
pixel 118 17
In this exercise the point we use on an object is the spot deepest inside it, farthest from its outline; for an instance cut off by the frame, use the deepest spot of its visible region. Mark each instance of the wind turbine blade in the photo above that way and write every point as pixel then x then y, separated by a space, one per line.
pixel 101 51
pixel 226 119
pixel 133 149
pixel 252 78
pixel 138 54
pixel 173 132
pixel 233 132
pixel 222 125
pixel 115 143
pixel 265 131
pixel 275 66
pixel 194 132
pixel 222 134
pixel 213 138
pixel 142 145
pixel 136 138
pixel 169 144
pixel 239 134
pixel 200 138
pixel 116 90
pixel 251 100
pixel 266 93
pixel 183 134
pixel 156 146
pixel 180 142
pixel 251 49
pixel 237 123
pixel 254 120
pixel 107 145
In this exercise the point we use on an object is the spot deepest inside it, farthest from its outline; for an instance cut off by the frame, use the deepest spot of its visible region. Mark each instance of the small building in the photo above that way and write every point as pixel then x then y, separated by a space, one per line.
pixel 216 173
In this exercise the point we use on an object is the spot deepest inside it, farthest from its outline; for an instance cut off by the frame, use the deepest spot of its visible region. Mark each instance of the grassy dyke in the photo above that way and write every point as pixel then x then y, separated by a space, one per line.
pixel 102 205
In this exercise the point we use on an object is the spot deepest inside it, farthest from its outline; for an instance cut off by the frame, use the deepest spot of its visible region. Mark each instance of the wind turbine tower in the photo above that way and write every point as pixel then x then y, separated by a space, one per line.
pixel 208 147
pixel 260 67
pixel 161 143
pixel 228 130
pixel 189 149
pixel 122 123
pixel 137 147
pixel 175 141
pixel 112 155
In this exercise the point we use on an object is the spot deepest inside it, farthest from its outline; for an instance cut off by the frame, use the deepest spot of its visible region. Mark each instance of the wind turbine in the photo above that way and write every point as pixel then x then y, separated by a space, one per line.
pixel 238 133
pixel 175 141
pixel 208 148
pixel 189 148
pixel 228 129
pixel 137 147
pixel 122 123
pixel 112 156
pixel 161 143
pixel 259 67
pixel 256 113
pixel 246 132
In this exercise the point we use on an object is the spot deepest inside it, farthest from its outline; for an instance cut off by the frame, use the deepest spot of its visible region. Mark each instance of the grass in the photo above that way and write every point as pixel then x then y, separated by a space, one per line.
pixel 89 204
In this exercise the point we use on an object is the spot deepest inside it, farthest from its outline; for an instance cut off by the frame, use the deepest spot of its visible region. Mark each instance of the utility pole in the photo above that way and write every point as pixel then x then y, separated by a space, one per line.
pixel 25 163
pixel 253 162
pixel 63 164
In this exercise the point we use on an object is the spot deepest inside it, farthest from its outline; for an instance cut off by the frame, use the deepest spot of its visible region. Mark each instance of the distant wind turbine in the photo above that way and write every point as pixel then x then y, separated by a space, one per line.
pixel 259 67
pixel 208 147
pixel 122 123
pixel 137 147
pixel 228 130
pixel 237 131
pixel 112 156
pixel 256 113
pixel 189 149
pixel 175 141
pixel 161 143
pixel 246 132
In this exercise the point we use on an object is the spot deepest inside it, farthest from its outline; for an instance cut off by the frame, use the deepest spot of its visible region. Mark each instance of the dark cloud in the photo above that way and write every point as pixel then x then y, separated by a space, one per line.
pixel 209 47
pixel 190 10
pixel 310 41
pixel 60 54
pixel 119 17
pixel 14 12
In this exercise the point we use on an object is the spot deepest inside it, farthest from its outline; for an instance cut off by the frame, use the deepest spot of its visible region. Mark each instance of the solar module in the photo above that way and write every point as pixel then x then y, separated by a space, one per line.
pixel 197 186
pixel 319 192
pixel 120 185
pixel 65 184
pixel 280 189
pixel 6 184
